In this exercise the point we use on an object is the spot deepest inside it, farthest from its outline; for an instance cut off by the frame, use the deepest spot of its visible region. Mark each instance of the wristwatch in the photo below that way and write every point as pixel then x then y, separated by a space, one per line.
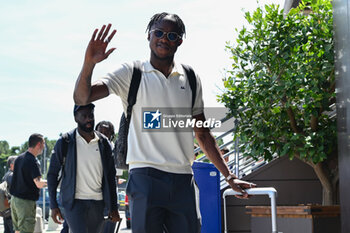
pixel 230 177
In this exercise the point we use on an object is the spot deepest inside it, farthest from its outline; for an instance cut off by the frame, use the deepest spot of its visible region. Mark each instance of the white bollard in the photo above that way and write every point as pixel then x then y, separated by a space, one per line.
pixel 52 226
pixel 39 223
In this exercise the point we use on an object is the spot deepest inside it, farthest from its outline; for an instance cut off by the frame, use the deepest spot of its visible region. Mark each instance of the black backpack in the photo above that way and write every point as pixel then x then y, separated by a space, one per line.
pixel 121 146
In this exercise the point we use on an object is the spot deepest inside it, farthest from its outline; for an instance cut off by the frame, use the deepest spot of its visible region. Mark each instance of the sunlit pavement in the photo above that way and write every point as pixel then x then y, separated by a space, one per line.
pixel 122 228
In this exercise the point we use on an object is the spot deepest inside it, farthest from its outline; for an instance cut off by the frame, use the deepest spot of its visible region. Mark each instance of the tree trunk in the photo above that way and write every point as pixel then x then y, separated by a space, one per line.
pixel 326 182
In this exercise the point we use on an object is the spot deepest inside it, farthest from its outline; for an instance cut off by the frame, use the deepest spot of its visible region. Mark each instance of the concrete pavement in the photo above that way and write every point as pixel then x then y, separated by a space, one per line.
pixel 58 228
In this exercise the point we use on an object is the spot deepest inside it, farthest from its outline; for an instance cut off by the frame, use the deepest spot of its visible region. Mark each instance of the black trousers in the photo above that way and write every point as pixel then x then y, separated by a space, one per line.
pixel 8 228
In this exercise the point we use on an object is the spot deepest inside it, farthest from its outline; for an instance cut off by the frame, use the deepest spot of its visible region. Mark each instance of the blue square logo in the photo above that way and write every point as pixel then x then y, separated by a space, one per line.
pixel 152 120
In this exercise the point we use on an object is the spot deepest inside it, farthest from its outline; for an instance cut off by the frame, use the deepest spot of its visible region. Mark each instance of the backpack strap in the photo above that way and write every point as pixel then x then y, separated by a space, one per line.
pixel 64 149
pixel 192 80
pixel 103 138
pixel 134 87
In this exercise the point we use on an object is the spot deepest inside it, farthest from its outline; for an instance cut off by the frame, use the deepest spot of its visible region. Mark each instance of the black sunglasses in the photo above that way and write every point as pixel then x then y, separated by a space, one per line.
pixel 172 36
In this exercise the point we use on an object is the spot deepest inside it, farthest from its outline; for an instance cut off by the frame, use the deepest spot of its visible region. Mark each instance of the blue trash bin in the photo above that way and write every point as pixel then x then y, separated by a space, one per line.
pixel 208 180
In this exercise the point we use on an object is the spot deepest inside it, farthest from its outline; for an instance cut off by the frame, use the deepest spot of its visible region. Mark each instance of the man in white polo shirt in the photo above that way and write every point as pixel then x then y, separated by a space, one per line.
pixel 85 160
pixel 161 188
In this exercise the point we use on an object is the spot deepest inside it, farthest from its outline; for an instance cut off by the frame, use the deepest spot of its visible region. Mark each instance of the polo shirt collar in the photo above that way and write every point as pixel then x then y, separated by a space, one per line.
pixel 176 69
pixel 95 139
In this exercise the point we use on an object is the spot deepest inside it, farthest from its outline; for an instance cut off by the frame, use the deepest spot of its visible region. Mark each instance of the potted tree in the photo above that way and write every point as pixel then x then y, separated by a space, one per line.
pixel 282 88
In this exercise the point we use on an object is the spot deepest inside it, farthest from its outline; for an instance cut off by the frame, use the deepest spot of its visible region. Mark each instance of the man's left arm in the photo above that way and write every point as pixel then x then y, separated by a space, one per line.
pixel 40 183
pixel 209 146
pixel 36 175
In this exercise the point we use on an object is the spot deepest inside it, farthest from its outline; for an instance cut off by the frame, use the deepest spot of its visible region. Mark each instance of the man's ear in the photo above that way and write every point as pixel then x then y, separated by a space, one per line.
pixel 149 36
pixel 179 42
pixel 38 145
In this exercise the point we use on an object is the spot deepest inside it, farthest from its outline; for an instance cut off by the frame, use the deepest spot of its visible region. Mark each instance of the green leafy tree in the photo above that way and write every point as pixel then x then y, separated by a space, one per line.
pixel 282 86
pixel 5 152
pixel 4 147
pixel 24 147
pixel 3 162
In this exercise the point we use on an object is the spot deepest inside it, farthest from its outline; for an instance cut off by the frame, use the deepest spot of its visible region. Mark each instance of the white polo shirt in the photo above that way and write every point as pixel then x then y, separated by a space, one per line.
pixel 166 151
pixel 89 169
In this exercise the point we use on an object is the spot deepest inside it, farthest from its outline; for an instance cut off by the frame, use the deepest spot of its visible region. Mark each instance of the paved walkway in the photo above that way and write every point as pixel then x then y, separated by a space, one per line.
pixel 58 228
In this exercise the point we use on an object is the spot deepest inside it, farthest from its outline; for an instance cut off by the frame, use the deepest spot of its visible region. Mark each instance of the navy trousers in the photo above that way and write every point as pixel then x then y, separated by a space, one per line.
pixel 163 202
pixel 86 216
pixel 65 228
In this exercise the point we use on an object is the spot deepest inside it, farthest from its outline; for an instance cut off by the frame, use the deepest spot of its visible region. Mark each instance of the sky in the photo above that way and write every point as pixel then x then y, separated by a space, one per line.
pixel 42 46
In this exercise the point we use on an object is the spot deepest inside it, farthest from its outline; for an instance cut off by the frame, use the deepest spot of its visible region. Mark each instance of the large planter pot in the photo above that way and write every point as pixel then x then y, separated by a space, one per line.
pixel 296 219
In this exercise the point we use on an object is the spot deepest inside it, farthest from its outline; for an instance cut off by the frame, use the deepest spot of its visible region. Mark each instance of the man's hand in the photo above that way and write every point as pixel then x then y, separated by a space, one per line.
pixel 96 50
pixel 114 216
pixel 40 183
pixel 56 216
pixel 240 186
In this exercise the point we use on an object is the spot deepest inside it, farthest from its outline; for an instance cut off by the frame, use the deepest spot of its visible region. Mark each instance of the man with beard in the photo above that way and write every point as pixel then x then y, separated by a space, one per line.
pixel 84 159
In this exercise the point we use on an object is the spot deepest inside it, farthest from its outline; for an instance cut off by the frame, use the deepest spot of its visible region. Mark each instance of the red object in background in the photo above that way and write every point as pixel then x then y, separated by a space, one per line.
pixel 126 200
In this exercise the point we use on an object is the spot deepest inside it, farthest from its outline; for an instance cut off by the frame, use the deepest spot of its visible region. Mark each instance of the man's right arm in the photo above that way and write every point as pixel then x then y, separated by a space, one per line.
pixel 52 174
pixel 84 92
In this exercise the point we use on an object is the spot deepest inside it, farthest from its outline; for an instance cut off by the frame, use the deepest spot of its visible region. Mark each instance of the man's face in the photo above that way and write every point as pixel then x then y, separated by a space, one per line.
pixel 12 165
pixel 41 147
pixel 85 119
pixel 163 48
pixel 105 130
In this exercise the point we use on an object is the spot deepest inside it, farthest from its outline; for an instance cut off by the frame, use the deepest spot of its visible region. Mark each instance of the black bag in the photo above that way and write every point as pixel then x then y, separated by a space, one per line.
pixel 120 149
pixel 5 210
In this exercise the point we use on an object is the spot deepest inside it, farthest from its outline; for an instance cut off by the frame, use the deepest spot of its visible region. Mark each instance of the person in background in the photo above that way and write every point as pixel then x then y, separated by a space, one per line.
pixel 8 228
pixel 88 176
pixel 107 129
pixel 26 184
pixel 224 151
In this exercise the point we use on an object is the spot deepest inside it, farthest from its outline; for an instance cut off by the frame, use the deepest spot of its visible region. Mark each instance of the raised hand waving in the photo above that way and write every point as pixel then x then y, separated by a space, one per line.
pixel 96 50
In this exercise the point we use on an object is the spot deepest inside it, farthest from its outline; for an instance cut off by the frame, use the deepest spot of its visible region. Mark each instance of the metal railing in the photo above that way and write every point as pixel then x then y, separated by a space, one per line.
pixel 270 191
pixel 239 165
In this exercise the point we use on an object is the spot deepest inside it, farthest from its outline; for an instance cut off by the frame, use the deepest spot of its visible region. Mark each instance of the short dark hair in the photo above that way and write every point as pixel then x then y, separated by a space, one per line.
pixel 11 159
pixel 34 139
pixel 160 16
pixel 106 124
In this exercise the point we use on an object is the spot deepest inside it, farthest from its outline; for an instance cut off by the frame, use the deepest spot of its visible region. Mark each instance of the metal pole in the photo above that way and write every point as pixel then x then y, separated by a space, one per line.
pixel 237 157
pixel 236 151
pixel 225 223
pixel 44 196
pixel 273 212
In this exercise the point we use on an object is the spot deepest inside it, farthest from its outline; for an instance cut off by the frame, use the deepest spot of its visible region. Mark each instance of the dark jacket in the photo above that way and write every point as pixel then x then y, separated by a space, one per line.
pixel 68 182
